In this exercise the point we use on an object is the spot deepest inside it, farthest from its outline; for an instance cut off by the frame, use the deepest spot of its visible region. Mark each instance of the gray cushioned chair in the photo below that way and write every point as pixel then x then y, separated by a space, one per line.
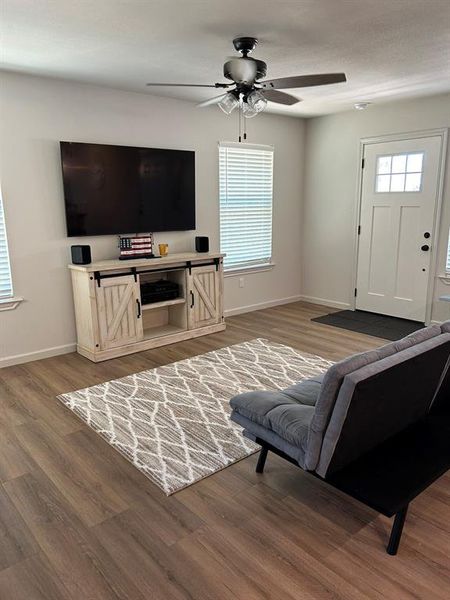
pixel 332 422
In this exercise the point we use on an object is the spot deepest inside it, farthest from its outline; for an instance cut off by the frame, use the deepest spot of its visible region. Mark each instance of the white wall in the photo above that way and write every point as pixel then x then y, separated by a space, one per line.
pixel 331 169
pixel 36 113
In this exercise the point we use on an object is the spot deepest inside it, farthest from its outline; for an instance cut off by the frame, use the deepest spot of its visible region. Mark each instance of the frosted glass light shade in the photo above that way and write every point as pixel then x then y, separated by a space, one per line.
pixel 256 101
pixel 248 111
pixel 228 103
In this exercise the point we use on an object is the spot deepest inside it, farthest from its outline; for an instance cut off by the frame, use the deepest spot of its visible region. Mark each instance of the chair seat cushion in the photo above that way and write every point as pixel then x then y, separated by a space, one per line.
pixel 291 422
pixel 276 412
pixel 254 431
pixel 256 405
pixel 305 392
pixel 286 412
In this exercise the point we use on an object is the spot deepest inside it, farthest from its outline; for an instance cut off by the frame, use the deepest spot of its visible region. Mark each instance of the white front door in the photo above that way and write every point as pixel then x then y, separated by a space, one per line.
pixel 398 205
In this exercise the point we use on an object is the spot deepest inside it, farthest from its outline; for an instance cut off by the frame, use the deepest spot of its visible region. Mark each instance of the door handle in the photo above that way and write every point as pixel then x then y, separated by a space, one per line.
pixel 138 308
pixel 192 299
pixel 425 248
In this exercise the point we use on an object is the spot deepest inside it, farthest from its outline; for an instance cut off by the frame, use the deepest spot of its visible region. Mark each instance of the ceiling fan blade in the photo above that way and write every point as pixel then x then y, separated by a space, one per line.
pixel 303 81
pixel 280 97
pixel 213 85
pixel 211 101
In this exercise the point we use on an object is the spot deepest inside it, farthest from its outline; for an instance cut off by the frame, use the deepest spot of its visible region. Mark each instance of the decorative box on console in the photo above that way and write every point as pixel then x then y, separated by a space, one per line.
pixel 139 246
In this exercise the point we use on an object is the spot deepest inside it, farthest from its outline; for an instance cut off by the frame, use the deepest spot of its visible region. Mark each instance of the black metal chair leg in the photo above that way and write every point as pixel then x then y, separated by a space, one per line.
pixel 396 532
pixel 262 459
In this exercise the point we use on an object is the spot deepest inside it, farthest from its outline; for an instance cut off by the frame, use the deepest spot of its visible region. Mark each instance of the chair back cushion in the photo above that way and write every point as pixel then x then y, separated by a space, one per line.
pixel 445 327
pixel 335 375
pixel 381 399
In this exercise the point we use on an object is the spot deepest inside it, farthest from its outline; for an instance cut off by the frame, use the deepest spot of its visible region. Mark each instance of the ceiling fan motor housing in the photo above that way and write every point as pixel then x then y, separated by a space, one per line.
pixel 245 45
pixel 244 69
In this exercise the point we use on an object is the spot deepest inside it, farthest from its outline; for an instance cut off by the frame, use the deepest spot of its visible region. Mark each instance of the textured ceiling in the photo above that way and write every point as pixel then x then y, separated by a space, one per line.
pixel 389 49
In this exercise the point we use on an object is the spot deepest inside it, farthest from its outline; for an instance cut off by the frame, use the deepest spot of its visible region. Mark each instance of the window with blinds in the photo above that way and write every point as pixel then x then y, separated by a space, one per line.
pixel 5 271
pixel 245 195
pixel 448 256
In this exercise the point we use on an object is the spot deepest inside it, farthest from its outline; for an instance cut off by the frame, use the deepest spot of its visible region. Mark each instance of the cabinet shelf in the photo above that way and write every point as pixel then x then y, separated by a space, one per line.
pixel 161 331
pixel 163 303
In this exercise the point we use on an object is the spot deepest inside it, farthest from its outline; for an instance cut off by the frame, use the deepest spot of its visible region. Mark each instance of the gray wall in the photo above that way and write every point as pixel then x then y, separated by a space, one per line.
pixel 313 215
pixel 330 194
pixel 38 112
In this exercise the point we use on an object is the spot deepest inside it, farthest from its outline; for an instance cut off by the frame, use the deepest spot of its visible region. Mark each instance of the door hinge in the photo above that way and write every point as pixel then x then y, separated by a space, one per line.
pixel 356 292
pixel 363 163
pixel 359 229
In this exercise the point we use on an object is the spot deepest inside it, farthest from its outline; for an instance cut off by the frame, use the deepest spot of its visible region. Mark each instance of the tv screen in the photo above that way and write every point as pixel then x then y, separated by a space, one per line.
pixel 122 189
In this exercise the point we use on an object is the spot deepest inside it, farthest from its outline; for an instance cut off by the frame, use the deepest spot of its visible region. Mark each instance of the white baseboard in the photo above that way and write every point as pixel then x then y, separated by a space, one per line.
pixel 325 302
pixel 18 359
pixel 261 305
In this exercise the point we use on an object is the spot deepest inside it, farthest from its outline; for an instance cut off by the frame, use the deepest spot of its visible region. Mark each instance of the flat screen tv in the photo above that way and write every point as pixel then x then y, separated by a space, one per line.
pixel 123 189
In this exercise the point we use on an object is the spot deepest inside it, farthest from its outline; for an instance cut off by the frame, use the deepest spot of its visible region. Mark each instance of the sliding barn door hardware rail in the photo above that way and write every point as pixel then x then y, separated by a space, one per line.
pixel 98 275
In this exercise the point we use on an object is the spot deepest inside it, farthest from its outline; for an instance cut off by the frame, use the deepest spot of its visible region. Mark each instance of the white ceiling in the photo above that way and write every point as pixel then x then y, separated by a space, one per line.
pixel 389 49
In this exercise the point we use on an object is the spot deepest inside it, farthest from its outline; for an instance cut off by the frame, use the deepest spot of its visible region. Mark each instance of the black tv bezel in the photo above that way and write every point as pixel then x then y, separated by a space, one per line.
pixel 117 233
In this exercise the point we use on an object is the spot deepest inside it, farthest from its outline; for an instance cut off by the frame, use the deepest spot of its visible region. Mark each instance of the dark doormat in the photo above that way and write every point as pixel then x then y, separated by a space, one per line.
pixel 381 326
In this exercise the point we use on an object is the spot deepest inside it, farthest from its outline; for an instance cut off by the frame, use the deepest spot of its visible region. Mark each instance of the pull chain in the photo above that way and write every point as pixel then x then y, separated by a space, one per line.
pixel 242 121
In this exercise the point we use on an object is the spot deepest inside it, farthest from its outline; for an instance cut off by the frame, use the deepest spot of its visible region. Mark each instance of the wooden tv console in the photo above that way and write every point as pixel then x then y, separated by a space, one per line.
pixel 112 321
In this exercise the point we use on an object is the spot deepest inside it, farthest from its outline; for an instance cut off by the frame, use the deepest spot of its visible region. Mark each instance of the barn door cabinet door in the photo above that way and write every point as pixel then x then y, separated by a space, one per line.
pixel 205 296
pixel 119 312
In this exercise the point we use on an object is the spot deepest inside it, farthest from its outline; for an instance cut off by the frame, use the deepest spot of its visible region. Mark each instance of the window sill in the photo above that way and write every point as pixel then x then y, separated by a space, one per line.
pixel 248 270
pixel 445 278
pixel 9 303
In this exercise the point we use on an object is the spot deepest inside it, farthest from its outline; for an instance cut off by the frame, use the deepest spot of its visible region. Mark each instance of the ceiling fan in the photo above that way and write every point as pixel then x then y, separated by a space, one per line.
pixel 247 91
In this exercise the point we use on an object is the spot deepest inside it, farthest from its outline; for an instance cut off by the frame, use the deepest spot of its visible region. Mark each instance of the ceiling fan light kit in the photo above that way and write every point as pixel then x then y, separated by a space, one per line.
pixel 249 93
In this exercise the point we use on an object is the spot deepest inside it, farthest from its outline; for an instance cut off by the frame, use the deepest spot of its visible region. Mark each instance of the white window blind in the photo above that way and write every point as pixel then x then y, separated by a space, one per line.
pixel 245 194
pixel 5 271
pixel 448 256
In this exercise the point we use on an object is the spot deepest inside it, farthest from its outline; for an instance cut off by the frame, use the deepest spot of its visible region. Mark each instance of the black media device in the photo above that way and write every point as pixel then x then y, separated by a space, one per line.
pixel 123 189
pixel 81 254
pixel 158 291
pixel 202 243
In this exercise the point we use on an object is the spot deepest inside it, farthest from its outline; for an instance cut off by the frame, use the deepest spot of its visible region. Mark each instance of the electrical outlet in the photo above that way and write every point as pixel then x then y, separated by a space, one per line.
pixel 241 282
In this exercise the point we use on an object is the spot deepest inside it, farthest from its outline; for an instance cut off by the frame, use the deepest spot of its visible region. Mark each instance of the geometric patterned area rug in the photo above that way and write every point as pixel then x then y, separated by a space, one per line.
pixel 172 422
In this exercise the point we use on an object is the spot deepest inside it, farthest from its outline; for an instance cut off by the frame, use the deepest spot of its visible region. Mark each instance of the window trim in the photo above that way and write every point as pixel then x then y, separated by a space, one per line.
pixel 10 302
pixel 269 264
pixel 260 268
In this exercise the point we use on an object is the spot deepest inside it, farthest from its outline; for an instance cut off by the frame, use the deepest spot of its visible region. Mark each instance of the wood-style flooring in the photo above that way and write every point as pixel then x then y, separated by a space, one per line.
pixel 77 521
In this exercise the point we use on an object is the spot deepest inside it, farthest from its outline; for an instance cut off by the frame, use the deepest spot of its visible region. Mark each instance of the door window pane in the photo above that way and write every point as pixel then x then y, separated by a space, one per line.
pixel 415 163
pixel 399 163
pixel 413 181
pixel 384 164
pixel 383 183
pixel 397 183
